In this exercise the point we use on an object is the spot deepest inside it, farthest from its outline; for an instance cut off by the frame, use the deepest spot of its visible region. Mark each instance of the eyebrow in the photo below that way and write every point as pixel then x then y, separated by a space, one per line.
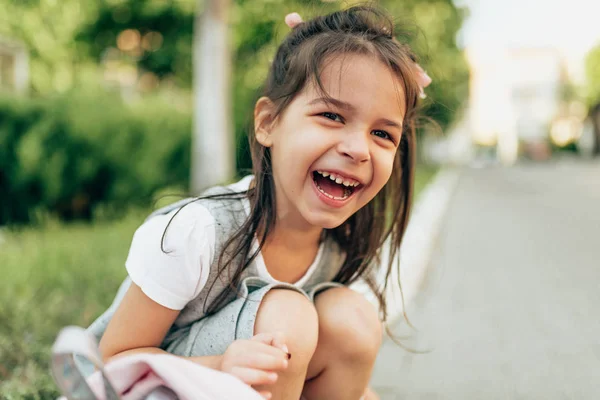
pixel 349 107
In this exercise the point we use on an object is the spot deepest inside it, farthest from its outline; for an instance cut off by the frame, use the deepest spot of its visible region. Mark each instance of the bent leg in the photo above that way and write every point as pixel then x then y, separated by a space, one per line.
pixel 350 335
pixel 292 314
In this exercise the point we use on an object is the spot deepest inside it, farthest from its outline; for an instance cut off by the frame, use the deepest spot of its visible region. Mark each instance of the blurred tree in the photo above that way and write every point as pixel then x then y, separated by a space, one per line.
pixel 47 29
pixel 154 35
pixel 592 68
pixel 212 150
pixel 68 39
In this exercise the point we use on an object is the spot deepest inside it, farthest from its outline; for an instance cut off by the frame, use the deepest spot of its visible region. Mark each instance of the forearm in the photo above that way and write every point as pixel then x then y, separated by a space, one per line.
pixel 213 362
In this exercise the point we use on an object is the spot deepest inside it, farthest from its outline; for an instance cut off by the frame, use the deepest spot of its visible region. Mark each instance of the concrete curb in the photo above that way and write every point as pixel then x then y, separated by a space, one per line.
pixel 418 244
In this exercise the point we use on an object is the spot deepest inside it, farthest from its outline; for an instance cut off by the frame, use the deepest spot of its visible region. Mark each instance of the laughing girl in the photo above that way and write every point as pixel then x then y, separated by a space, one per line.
pixel 252 278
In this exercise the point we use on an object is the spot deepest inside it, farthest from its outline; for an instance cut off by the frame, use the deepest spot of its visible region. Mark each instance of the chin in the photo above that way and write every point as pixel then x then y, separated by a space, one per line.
pixel 326 221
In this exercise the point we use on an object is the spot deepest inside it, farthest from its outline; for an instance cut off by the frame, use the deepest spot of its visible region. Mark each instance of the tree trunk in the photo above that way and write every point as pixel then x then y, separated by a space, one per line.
pixel 212 142
pixel 595 114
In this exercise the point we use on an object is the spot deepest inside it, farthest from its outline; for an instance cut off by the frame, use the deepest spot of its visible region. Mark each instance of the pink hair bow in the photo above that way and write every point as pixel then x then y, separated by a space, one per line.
pixel 294 19
pixel 423 80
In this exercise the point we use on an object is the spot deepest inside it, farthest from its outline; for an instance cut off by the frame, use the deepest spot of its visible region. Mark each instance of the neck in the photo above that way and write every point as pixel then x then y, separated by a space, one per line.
pixel 291 231
pixel 289 251
pixel 294 237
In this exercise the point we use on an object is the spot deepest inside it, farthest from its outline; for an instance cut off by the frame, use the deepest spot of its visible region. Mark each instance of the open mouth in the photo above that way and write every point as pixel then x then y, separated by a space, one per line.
pixel 333 186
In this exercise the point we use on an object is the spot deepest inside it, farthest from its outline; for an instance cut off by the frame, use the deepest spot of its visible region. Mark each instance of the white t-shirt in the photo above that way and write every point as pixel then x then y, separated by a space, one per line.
pixel 175 277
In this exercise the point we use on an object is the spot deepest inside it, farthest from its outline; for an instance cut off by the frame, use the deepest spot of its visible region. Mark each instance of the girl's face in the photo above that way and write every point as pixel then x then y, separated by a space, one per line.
pixel 354 142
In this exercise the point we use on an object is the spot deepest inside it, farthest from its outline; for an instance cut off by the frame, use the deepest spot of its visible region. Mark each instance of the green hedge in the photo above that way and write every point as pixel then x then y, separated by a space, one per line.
pixel 72 153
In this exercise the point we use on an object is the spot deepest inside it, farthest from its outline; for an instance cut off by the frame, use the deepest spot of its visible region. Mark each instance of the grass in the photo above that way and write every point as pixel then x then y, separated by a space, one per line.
pixel 57 275
pixel 53 276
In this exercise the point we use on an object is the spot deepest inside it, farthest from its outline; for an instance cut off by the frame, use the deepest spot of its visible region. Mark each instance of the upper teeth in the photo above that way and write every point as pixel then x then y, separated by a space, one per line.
pixel 339 179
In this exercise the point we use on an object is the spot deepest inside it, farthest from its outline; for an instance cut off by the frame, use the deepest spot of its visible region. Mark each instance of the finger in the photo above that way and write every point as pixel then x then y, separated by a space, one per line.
pixel 253 377
pixel 293 19
pixel 264 360
pixel 265 394
pixel 279 342
pixel 275 339
pixel 264 353
pixel 370 394
pixel 266 338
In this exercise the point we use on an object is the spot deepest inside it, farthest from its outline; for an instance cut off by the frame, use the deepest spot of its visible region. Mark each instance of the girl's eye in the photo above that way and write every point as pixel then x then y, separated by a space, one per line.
pixel 383 135
pixel 331 116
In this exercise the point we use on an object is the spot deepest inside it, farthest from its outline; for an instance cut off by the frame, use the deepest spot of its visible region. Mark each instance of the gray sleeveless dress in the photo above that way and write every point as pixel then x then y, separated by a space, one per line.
pixel 196 334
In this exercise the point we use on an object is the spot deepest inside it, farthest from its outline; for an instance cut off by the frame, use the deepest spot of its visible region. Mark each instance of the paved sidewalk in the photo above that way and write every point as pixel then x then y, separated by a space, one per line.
pixel 511 304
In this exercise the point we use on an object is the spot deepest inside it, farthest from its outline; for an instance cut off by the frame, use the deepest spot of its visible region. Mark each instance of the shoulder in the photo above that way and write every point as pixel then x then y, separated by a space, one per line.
pixel 195 220
pixel 228 203
pixel 171 254
pixel 241 185
pixel 184 222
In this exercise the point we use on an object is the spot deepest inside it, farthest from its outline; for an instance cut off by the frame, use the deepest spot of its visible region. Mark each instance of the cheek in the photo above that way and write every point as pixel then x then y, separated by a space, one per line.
pixel 302 145
pixel 384 168
pixel 293 156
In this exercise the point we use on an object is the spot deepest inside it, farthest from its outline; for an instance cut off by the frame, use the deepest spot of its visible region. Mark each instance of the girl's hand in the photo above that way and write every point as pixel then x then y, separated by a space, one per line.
pixel 256 361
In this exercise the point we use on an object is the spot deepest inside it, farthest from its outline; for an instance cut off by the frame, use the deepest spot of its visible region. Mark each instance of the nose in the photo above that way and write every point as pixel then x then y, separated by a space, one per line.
pixel 355 146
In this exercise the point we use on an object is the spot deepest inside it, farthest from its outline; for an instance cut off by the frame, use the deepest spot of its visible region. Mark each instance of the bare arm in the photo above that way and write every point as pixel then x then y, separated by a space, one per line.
pixel 139 326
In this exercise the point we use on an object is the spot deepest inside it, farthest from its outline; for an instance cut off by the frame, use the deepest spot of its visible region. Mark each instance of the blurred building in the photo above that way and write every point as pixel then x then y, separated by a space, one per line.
pixel 515 97
pixel 14 66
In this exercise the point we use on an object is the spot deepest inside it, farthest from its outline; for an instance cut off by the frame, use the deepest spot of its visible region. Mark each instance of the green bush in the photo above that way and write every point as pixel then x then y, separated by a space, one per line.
pixel 71 153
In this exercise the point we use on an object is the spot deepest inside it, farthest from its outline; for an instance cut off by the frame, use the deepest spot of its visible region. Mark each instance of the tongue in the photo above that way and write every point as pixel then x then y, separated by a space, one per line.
pixel 329 186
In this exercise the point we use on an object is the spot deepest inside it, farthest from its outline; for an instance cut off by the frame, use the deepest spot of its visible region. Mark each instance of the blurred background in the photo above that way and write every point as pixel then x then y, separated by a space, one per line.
pixel 108 107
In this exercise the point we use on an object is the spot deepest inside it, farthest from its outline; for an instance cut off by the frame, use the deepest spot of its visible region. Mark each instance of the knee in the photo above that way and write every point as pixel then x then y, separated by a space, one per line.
pixel 292 314
pixel 349 323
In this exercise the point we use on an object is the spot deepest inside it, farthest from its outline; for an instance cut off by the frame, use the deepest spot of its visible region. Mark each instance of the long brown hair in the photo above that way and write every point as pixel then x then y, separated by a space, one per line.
pixel 298 61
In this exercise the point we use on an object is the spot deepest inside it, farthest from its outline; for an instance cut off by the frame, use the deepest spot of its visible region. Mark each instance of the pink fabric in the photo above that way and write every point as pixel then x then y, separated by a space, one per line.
pixel 136 375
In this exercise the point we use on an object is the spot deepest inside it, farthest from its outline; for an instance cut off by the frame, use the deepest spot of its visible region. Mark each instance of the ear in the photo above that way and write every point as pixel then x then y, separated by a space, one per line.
pixel 263 121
